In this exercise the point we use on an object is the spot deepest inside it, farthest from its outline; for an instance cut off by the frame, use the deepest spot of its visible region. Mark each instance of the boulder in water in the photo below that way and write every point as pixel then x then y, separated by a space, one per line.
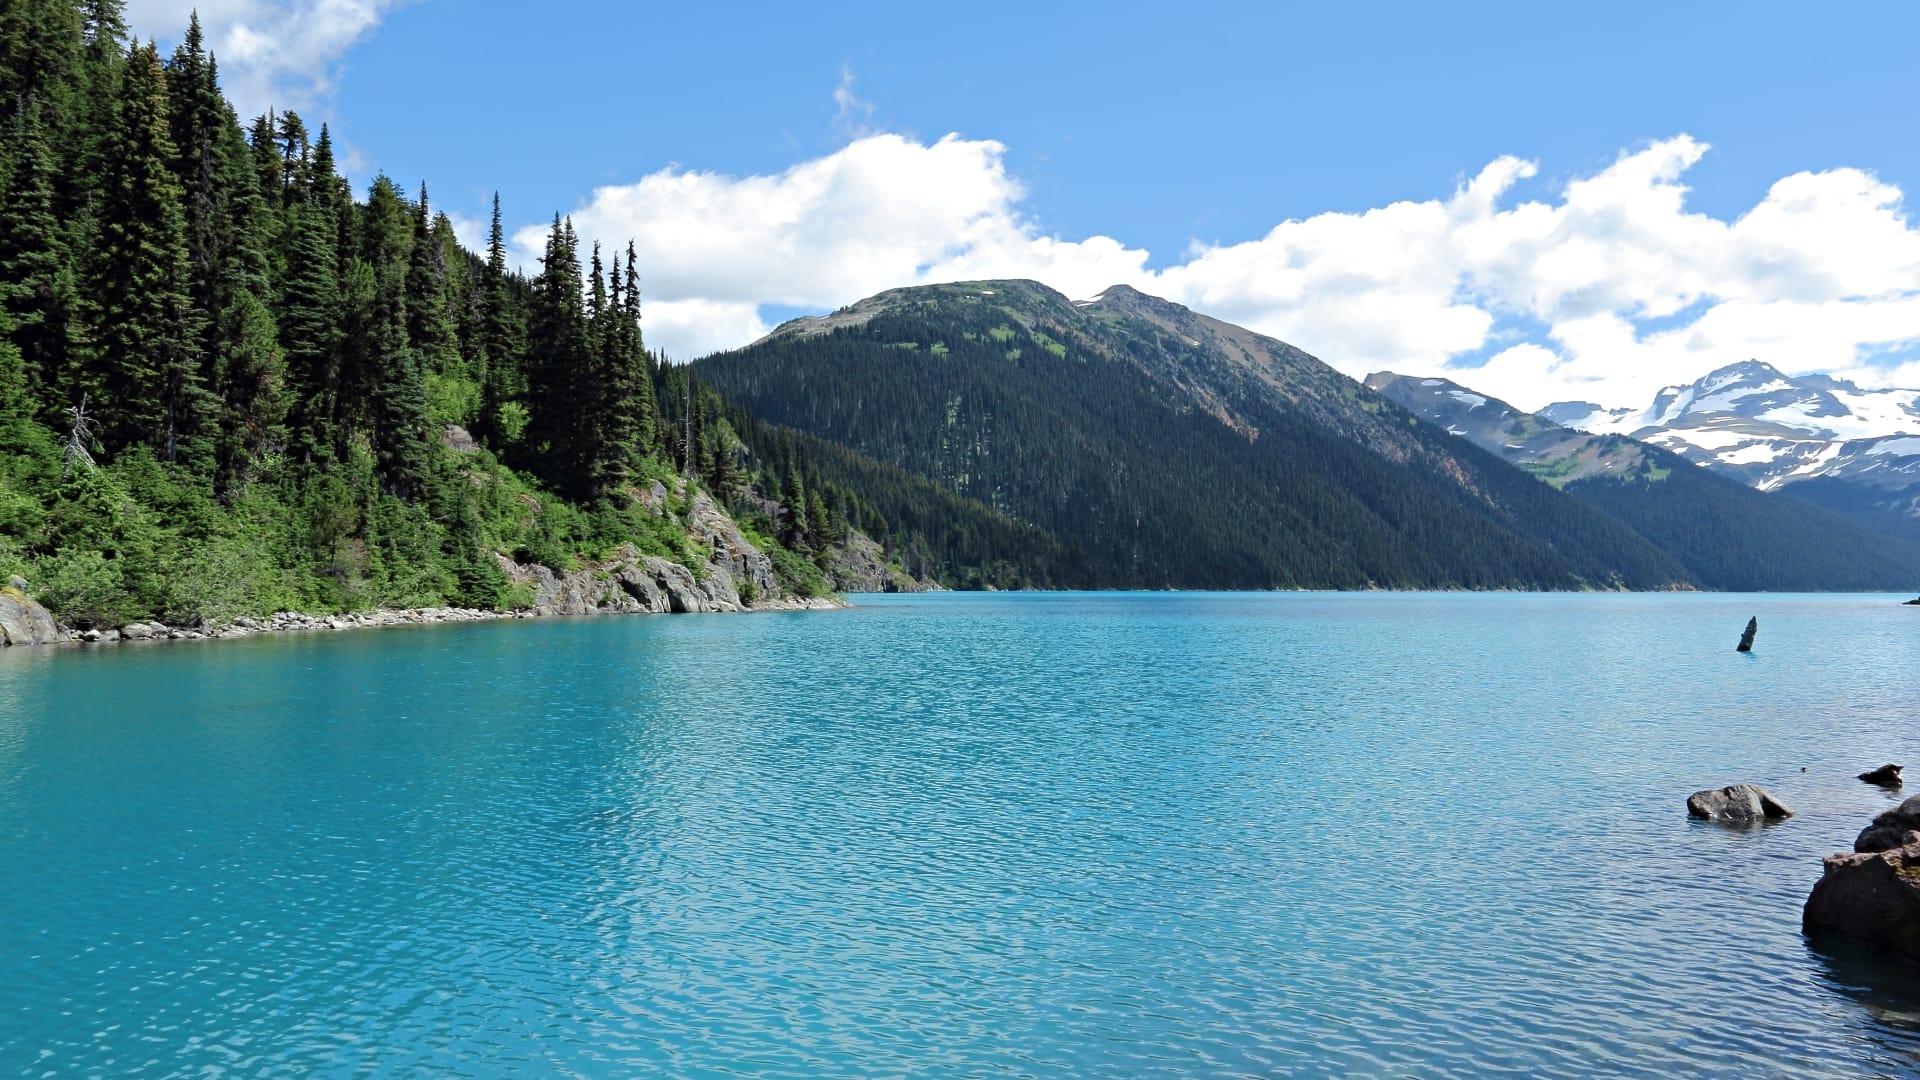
pixel 1889 828
pixel 1872 896
pixel 1885 776
pixel 1740 804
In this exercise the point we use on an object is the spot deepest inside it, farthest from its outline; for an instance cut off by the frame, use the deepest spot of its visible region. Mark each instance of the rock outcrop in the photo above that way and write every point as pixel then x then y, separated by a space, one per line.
pixel 1887 776
pixel 860 565
pixel 746 568
pixel 1890 828
pixel 23 621
pixel 1870 896
pixel 1740 804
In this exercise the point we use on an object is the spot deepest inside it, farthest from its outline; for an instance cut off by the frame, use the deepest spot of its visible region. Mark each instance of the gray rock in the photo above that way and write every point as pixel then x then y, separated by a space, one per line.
pixel 1739 804
pixel 458 440
pixel 1889 828
pixel 1871 896
pixel 23 621
pixel 17 583
pixel 137 631
pixel 676 582
pixel 746 566
pixel 653 497
pixel 1885 776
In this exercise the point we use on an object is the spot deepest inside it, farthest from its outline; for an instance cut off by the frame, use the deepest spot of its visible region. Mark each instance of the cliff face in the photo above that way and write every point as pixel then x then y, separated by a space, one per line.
pixel 859 565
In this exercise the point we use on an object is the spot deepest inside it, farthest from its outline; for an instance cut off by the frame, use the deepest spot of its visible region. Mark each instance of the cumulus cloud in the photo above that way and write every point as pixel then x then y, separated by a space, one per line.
pixel 1604 289
pixel 272 53
pixel 881 212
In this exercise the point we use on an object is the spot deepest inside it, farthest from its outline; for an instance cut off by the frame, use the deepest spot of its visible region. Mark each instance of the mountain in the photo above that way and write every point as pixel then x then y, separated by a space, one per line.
pixel 1772 430
pixel 1170 449
pixel 1727 535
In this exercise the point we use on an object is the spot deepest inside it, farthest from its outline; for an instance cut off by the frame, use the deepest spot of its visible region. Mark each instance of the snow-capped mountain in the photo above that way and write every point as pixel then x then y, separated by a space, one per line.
pixel 1770 429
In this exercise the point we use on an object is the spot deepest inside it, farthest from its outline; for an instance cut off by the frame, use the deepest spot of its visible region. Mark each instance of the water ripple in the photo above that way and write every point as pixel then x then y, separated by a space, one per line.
pixel 1029 835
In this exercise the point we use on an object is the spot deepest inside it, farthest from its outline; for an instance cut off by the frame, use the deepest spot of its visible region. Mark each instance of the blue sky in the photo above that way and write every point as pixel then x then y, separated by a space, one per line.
pixel 1173 131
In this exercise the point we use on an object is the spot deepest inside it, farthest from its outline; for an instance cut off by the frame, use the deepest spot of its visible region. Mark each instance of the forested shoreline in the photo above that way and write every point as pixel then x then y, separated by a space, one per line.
pixel 230 387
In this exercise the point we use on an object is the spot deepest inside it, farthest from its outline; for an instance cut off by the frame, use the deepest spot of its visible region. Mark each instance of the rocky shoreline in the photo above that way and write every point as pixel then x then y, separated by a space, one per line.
pixel 289 622
pixel 735 576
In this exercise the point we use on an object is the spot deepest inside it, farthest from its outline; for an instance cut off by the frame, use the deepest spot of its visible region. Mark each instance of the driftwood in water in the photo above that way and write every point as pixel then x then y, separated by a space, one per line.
pixel 1746 637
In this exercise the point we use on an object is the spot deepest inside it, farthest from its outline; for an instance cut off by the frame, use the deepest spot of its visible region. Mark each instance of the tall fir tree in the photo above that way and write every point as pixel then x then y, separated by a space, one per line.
pixel 558 358
pixel 399 406
pixel 430 327
pixel 146 352
pixel 38 285
pixel 311 317
pixel 252 385
pixel 499 377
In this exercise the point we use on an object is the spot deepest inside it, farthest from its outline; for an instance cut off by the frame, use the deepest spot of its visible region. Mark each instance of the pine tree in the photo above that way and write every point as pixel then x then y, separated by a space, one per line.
pixel 400 440
pixel 558 358
pixel 146 354
pixel 429 325
pixel 252 388
pixel 311 317
pixel 37 283
pixel 793 509
pixel 499 376
pixel 40 42
pixel 296 159
pixel 196 119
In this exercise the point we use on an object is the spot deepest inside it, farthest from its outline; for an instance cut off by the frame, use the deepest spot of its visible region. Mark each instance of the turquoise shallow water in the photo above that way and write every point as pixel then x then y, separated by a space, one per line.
pixel 1043 835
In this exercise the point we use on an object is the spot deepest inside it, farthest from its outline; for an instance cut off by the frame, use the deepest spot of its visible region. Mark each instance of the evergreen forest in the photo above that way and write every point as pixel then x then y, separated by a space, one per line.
pixel 229 384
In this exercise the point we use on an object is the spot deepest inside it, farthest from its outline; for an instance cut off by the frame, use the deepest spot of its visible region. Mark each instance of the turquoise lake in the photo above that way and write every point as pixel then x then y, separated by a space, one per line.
pixel 1035 835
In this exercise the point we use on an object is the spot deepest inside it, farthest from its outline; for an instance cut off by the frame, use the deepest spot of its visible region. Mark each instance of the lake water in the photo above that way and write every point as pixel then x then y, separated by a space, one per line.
pixel 1047 835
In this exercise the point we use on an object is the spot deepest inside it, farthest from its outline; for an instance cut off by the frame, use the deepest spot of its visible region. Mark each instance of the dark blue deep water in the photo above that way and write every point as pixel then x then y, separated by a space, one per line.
pixel 1046 835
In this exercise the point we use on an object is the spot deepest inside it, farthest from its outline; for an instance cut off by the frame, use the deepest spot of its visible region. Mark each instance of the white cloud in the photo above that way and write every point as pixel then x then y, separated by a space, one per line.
pixel 1605 289
pixel 272 53
pixel 881 212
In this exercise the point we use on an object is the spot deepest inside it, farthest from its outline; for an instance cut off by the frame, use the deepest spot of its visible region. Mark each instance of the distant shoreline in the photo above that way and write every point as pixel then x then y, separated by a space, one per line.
pixel 294 622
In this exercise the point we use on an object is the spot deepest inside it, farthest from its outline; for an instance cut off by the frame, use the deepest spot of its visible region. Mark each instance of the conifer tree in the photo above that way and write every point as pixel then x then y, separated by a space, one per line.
pixel 146 353
pixel 793 509
pixel 399 400
pixel 40 43
pixel 429 325
pixel 557 350
pixel 252 388
pixel 500 358
pixel 311 317
pixel 38 288
pixel 196 118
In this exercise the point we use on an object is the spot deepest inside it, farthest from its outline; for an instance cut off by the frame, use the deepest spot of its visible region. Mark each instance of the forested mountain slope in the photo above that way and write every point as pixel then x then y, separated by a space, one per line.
pixel 1172 450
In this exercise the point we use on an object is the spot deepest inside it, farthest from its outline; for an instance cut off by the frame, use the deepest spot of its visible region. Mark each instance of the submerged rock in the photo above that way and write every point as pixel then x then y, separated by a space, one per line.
pixel 1737 805
pixel 23 621
pixel 1872 896
pixel 1890 828
pixel 1885 776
